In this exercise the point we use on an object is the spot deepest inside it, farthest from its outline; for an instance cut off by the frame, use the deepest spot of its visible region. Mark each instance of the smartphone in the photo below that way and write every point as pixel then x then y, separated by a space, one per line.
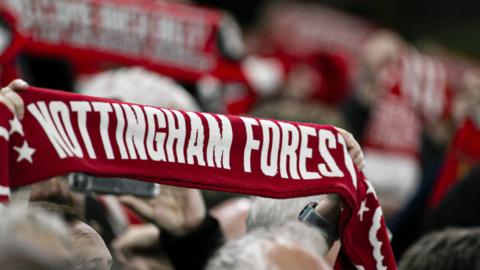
pixel 85 183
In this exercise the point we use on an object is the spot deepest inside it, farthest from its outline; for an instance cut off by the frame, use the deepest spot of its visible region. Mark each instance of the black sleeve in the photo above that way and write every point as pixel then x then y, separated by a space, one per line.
pixel 459 207
pixel 357 116
pixel 192 251
pixel 96 216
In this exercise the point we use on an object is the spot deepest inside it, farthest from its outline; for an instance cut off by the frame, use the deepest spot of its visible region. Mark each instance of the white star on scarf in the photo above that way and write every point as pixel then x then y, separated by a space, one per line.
pixel 363 209
pixel 25 152
pixel 16 126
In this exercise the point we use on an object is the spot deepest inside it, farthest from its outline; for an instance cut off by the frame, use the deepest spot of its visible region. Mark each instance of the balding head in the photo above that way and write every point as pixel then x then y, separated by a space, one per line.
pixel 138 85
pixel 292 246
pixel 90 249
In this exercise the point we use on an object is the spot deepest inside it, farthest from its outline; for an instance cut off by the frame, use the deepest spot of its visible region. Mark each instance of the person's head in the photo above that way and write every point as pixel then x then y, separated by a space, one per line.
pixel 270 213
pixel 452 249
pixel 88 248
pixel 141 86
pixel 293 246
pixel 34 239
pixel 380 49
pixel 467 102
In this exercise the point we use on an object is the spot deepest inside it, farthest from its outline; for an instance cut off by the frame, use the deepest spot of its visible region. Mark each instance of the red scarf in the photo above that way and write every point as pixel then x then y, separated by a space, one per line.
pixel 413 90
pixel 177 40
pixel 182 41
pixel 63 133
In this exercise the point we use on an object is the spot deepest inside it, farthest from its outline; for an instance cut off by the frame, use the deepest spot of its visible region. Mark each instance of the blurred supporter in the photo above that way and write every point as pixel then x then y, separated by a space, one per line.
pixel 464 152
pixel 292 246
pixel 33 239
pixel 458 208
pixel 468 100
pixel 409 95
pixel 380 50
pixel 49 236
pixel 391 134
pixel 88 248
pixel 452 249
pixel 433 203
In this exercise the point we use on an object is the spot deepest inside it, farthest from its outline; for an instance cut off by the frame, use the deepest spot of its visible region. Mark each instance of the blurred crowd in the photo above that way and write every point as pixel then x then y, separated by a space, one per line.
pixel 415 113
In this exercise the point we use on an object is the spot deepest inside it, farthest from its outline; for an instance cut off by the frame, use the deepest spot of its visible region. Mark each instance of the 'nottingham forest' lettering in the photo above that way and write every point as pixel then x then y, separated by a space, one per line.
pixel 95 130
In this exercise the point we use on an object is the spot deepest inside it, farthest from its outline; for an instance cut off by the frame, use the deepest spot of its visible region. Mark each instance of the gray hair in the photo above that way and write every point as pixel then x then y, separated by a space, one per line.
pixel 138 85
pixel 19 247
pixel 270 213
pixel 452 248
pixel 248 252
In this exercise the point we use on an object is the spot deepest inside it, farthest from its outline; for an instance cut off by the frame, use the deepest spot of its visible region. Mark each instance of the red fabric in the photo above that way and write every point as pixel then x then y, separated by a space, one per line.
pixel 177 40
pixel 412 91
pixel 331 47
pixel 464 153
pixel 174 39
pixel 288 28
pixel 424 83
pixel 8 72
pixel 334 76
pixel 16 41
pixel 394 127
pixel 133 218
pixel 30 156
pixel 332 72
